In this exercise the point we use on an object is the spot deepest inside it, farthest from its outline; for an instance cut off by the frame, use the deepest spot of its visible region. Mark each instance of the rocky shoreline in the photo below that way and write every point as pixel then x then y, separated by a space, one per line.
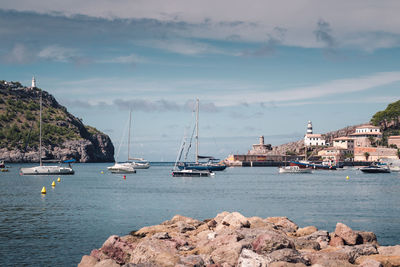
pixel 230 239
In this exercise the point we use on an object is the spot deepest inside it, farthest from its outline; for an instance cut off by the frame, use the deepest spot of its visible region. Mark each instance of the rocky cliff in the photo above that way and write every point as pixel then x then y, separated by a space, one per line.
pixel 230 239
pixel 63 135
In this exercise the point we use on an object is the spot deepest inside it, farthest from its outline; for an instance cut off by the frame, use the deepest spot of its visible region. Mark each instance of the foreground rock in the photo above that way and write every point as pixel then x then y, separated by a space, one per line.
pixel 230 239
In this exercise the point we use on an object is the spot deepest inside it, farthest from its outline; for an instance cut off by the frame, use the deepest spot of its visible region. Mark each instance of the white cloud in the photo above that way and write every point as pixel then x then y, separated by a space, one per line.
pixel 335 87
pixel 19 54
pixel 248 21
pixel 58 53
pixel 129 59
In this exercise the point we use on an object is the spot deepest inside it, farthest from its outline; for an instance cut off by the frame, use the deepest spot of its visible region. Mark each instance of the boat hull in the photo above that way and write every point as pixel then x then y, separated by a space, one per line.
pixel 47 170
pixel 122 168
pixel 191 173
pixel 375 170
pixel 294 169
pixel 202 167
pixel 313 166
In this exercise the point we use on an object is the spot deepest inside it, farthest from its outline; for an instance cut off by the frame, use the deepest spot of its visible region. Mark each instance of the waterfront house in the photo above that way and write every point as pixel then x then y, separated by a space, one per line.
pixel 365 135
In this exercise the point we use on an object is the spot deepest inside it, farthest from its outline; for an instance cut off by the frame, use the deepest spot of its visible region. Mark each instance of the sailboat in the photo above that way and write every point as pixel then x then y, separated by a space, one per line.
pixel 182 172
pixel 211 165
pixel 46 170
pixel 133 163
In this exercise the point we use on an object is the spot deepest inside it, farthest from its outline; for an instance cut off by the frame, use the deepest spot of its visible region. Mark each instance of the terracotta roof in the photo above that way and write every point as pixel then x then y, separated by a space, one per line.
pixel 367 133
pixel 343 138
pixel 367 126
pixel 313 135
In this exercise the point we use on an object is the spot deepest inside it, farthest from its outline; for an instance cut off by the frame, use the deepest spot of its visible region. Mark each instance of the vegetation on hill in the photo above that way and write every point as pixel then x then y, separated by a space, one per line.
pixel 388 120
pixel 19 120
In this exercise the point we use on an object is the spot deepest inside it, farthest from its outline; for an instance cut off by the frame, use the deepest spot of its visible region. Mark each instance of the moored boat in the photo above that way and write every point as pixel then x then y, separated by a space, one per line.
pixel 376 168
pixel 122 168
pixel 311 165
pixel 192 173
pixel 42 169
pixel 294 169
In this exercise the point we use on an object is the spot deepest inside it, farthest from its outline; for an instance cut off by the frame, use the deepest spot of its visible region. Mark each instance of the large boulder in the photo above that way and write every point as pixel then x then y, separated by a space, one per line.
pixel 349 236
pixel 271 241
pixel 389 250
pixel 308 230
pixel 283 223
pixel 233 220
pixel 249 258
pixel 386 261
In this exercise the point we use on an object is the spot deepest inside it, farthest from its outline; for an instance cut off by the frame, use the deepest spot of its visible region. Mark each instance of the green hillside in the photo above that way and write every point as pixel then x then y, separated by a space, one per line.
pixel 388 120
pixel 19 119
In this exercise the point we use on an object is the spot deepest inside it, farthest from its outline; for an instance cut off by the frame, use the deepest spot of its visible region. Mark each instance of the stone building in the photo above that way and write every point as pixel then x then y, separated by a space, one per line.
pixel 374 153
pixel 394 140
pixel 364 134
pixel 261 148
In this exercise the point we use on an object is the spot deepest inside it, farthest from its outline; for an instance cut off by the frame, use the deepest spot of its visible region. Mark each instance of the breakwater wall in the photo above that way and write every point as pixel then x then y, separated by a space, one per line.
pixel 230 239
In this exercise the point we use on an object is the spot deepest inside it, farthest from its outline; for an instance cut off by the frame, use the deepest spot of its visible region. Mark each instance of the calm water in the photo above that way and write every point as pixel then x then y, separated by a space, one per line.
pixel 84 209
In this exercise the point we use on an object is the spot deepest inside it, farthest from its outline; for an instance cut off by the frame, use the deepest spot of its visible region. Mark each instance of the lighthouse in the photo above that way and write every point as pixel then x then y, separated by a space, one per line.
pixel 33 82
pixel 309 128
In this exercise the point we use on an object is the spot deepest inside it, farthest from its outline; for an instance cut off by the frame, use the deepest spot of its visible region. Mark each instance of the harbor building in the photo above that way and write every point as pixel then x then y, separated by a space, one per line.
pixel 261 148
pixel 394 140
pixel 344 142
pixel 365 135
pixel 311 139
pixel 374 153
pixel 334 154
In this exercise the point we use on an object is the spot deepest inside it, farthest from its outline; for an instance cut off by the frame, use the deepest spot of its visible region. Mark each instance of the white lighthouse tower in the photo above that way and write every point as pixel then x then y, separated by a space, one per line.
pixel 33 82
pixel 309 128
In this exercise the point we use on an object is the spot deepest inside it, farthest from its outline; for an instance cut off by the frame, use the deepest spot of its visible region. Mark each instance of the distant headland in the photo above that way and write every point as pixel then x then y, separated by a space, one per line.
pixel 64 135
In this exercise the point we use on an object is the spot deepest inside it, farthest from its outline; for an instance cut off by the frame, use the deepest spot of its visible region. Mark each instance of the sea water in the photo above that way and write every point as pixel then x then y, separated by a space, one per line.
pixel 84 209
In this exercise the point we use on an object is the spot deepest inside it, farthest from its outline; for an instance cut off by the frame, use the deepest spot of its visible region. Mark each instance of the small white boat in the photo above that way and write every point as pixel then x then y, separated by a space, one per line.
pixel 122 168
pixel 192 173
pixel 393 164
pixel 294 169
pixel 139 163
pixel 47 170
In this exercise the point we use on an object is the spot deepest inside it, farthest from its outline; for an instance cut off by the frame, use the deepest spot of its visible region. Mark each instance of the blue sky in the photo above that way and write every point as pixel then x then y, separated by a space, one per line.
pixel 258 67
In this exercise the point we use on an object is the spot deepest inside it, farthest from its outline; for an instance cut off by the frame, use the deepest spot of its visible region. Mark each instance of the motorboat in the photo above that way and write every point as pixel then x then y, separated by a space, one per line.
pixel 2 165
pixel 122 168
pixel 42 169
pixel 294 169
pixel 192 173
pixel 307 164
pixel 376 168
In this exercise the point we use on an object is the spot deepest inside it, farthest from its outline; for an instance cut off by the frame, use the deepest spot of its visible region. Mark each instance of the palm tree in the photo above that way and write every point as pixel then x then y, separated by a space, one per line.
pixel 366 154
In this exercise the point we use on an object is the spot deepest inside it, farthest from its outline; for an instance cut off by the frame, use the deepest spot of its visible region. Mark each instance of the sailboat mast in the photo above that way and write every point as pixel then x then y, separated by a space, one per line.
pixel 129 132
pixel 40 130
pixel 197 130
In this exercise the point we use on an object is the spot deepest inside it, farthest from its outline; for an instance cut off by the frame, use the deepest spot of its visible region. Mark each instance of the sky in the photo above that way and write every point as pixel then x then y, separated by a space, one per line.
pixel 257 67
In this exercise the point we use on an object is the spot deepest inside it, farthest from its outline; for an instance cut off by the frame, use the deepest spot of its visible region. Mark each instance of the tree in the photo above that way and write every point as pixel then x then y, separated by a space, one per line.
pixel 366 155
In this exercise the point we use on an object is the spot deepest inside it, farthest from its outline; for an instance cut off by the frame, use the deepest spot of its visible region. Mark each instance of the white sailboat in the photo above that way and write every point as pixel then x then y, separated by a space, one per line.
pixel 41 169
pixel 133 163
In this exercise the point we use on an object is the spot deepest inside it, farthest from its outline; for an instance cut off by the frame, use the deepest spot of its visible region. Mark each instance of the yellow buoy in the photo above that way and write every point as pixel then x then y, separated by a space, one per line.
pixel 53 184
pixel 101 172
pixel 44 190
pixel 347 177
pixel 59 179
